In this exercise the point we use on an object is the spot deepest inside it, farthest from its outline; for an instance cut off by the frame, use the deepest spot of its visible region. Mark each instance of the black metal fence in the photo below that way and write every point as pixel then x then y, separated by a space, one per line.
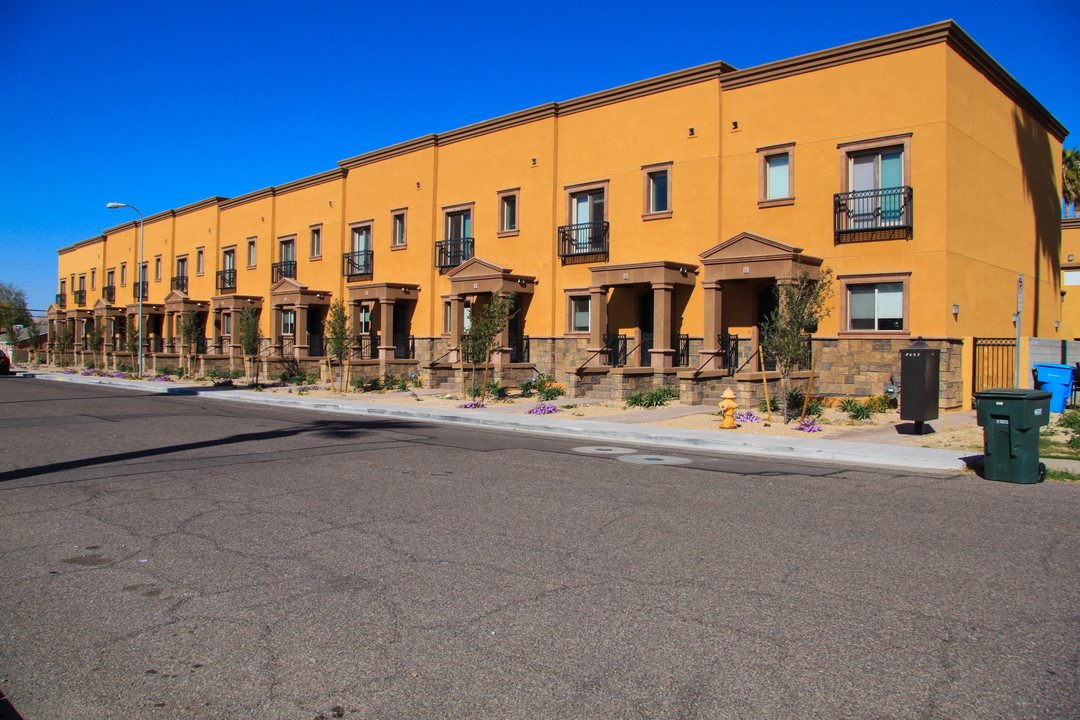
pixel 283 269
pixel 589 238
pixel 316 345
pixel 453 252
pixel 519 349
pixel 872 210
pixel 359 262
pixel 404 347
pixel 226 280
pixel 615 347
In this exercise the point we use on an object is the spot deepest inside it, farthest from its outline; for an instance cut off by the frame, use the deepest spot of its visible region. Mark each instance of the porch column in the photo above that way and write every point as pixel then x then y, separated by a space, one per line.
pixel 713 325
pixel 755 344
pixel 50 340
pixel 663 355
pixel 215 329
pixel 300 338
pixel 80 334
pixel 386 330
pixel 457 325
pixel 275 325
pixel 597 325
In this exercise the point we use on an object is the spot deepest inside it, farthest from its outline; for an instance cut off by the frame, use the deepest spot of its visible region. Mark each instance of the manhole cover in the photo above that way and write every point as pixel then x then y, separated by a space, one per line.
pixel 603 450
pixel 654 460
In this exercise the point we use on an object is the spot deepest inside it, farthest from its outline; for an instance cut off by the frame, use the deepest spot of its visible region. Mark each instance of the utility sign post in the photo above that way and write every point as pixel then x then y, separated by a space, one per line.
pixel 1019 313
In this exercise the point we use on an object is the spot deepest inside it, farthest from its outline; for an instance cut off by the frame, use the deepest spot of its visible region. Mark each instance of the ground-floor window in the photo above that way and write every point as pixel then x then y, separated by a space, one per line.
pixel 288 322
pixel 874 303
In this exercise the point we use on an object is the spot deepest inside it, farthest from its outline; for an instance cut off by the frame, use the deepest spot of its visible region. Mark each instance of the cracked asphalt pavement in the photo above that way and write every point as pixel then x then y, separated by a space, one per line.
pixel 180 557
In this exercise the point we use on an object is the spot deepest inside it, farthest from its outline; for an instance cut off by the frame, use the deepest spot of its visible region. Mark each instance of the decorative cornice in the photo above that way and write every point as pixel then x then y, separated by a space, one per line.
pixel 943 32
pixel 159 216
pixel 310 181
pixel 249 197
pixel 117 229
pixel 201 205
pixel 503 122
pixel 81 244
pixel 641 88
pixel 404 148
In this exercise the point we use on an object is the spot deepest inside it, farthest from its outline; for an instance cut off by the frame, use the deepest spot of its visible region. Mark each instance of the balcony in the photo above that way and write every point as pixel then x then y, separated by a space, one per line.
pixel 108 293
pixel 226 281
pixel 881 214
pixel 61 300
pixel 179 282
pixel 582 239
pixel 283 269
pixel 78 297
pixel 358 262
pixel 140 290
pixel 452 252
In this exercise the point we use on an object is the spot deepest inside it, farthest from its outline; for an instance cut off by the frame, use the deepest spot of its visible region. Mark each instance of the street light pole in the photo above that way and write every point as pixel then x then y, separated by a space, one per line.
pixel 142 288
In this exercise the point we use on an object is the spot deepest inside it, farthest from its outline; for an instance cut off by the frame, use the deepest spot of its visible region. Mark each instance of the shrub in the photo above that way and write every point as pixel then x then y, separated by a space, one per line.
pixel 497 391
pixel 814 407
pixel 475 391
pixel 795 399
pixel 653 398
pixel 389 381
pixel 856 410
pixel 550 392
pixel 416 381
pixel 402 384
pixel 1070 419
pixel 881 403
pixel 527 387
pixel 773 404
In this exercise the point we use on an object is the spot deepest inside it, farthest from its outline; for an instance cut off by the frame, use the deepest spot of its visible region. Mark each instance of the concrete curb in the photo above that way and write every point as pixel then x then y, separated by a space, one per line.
pixel 766 446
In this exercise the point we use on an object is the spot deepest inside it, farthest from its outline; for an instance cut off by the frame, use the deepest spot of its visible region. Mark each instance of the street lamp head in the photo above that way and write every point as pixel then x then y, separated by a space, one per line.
pixel 115 205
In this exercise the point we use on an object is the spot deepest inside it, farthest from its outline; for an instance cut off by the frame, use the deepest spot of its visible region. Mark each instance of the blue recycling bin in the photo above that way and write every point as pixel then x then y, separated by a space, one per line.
pixel 1057 380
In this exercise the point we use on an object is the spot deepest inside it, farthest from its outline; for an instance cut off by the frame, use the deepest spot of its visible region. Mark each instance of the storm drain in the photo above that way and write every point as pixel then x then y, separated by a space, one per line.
pixel 654 459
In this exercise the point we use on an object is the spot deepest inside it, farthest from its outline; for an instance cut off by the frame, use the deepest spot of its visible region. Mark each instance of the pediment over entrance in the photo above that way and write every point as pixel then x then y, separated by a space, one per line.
pixel 287 291
pixel 748 256
pixel 236 302
pixel 178 301
pixel 103 309
pixel 478 275
pixel 54 312
pixel 147 308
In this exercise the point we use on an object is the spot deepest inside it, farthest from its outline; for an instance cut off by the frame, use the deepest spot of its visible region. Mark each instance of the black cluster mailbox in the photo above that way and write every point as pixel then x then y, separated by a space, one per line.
pixel 919 383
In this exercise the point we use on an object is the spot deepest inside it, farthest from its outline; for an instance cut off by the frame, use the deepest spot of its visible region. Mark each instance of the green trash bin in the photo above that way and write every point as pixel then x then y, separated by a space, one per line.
pixel 1010 420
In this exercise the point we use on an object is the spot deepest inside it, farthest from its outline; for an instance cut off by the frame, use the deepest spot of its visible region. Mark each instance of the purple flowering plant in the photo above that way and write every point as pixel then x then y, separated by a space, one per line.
pixel 472 405
pixel 747 417
pixel 543 409
pixel 808 425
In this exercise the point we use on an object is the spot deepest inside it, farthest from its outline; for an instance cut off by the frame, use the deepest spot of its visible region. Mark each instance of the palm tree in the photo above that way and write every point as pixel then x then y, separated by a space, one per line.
pixel 1070 180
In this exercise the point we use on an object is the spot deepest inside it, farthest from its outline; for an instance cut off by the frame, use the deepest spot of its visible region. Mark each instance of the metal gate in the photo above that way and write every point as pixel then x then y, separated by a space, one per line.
pixel 995 363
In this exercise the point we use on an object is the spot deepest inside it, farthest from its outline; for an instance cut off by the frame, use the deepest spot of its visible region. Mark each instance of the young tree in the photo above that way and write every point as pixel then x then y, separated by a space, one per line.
pixel 131 342
pixel 190 330
pixel 249 340
pixel 802 302
pixel 95 340
pixel 486 325
pixel 36 340
pixel 64 340
pixel 338 336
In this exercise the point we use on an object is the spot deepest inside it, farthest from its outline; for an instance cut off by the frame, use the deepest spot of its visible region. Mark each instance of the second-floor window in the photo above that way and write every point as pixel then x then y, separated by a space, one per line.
pixel 398 239
pixel 251 256
pixel 657 190
pixel 458 224
pixel 316 242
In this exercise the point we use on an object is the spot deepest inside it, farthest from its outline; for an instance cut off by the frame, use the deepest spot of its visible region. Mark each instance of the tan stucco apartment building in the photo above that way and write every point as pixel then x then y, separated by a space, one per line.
pixel 642 228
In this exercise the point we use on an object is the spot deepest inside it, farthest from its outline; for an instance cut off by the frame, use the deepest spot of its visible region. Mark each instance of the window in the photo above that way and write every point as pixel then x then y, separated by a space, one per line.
pixel 181 267
pixel 586 231
pixel 361 238
pixel 226 324
pixel 447 310
pixel 144 274
pixel 579 315
pixel 93 278
pixel 508 212
pixel 363 320
pixel 874 303
pixel 316 241
pixel 877 193
pixel 776 172
pixel 82 283
pixel 251 253
pixel 200 262
pixel 657 190
pixel 1072 277
pixel 123 274
pixel 287 250
pixel 157 269
pixel 288 322
pixel 63 287
pixel 110 276
pixel 397 238
pixel 228 260
pixel 458 224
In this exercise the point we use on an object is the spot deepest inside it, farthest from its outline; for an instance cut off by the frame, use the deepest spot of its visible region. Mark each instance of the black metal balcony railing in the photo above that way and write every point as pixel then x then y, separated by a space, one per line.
pixel 316 345
pixel 452 252
pixel 226 280
pixel 869 211
pixel 283 269
pixel 589 238
pixel 358 262
pixel 157 344
pixel 404 347
pixel 615 350
pixel 519 349
pixel 108 293
pixel 61 300
pixel 79 297
pixel 140 289
pixel 179 282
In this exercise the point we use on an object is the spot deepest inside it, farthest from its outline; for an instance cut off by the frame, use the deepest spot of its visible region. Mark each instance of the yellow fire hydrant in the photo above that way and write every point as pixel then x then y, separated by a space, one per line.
pixel 728 406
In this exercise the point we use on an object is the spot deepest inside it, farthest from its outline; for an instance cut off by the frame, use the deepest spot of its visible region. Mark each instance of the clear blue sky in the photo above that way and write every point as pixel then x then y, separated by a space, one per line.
pixel 161 104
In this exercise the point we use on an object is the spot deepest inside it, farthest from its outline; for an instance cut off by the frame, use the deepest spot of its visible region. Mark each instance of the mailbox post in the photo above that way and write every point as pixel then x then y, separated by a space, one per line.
pixel 919 384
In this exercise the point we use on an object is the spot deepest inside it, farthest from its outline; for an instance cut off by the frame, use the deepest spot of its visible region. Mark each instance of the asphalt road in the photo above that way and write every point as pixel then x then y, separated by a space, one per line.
pixel 179 557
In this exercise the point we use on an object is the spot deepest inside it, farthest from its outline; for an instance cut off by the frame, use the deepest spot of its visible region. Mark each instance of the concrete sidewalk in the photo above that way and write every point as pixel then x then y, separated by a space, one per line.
pixel 606 430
